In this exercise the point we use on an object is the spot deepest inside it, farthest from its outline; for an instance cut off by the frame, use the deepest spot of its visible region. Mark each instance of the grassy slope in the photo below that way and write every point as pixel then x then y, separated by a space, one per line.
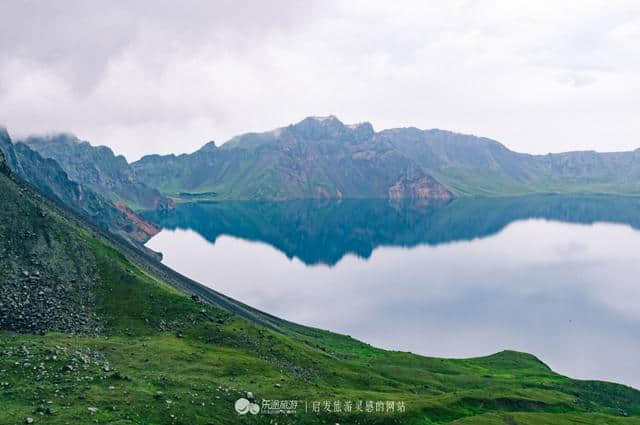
pixel 202 359
pixel 160 340
pixel 481 183
pixel 263 183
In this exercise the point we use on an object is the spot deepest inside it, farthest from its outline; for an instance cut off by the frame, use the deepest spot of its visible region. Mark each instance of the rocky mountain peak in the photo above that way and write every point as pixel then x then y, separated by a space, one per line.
pixel 328 118
pixel 362 130
pixel 209 147
pixel 52 142
pixel 330 127
pixel 8 151
pixel 55 138
pixel 319 124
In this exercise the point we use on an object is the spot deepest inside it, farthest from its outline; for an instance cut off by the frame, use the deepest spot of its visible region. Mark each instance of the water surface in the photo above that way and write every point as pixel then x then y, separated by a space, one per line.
pixel 553 276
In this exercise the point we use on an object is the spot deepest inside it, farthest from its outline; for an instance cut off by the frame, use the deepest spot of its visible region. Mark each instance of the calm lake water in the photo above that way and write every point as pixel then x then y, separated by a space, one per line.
pixel 554 276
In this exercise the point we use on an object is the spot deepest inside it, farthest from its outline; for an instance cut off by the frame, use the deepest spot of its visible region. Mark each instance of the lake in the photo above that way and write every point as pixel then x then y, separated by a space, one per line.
pixel 555 276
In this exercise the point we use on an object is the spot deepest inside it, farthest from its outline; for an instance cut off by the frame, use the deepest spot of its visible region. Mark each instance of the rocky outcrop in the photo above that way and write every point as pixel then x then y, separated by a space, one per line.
pixel 419 189
pixel 51 179
pixel 4 166
pixel 142 230
pixel 97 168
pixel 473 165
pixel 320 157
pixel 9 155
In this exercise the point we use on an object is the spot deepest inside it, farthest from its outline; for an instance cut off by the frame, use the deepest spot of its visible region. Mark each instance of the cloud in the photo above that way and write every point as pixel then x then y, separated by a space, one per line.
pixel 155 76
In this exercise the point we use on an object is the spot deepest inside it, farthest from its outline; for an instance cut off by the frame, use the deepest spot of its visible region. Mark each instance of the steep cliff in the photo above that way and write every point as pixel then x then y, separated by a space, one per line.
pixel 100 170
pixel 52 180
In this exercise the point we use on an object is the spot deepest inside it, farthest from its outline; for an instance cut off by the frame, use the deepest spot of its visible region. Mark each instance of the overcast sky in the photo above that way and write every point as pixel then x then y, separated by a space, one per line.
pixel 167 76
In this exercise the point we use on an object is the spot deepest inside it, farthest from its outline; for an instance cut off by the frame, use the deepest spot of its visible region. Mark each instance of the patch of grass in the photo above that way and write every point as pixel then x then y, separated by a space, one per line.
pixel 545 419
pixel 147 379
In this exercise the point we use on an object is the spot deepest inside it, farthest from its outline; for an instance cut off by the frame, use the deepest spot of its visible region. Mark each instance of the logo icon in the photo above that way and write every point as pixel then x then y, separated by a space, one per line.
pixel 254 409
pixel 244 406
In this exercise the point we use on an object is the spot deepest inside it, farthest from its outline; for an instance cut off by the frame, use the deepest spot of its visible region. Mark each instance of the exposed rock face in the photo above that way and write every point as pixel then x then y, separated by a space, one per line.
pixel 50 178
pixel 317 158
pixel 481 166
pixel 320 157
pixel 9 155
pixel 419 189
pixel 100 170
pixel 331 128
pixel 142 230
pixel 4 167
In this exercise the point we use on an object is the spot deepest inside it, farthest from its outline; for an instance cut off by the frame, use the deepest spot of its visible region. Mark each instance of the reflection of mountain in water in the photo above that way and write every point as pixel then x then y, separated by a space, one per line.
pixel 323 232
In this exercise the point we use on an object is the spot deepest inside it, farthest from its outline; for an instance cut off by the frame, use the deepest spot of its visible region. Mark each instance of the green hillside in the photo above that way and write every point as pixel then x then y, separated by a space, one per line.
pixel 320 158
pixel 94 331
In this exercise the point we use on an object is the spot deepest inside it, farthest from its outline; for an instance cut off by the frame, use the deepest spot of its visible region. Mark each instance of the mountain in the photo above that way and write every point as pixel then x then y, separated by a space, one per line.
pixel 320 157
pixel 318 231
pixel 100 170
pixel 51 179
pixel 470 165
pixel 92 330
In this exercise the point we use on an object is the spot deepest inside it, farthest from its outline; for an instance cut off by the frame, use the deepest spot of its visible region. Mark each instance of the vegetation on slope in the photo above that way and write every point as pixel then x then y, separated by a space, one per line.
pixel 100 170
pixel 143 353
pixel 323 158
pixel 318 158
pixel 471 165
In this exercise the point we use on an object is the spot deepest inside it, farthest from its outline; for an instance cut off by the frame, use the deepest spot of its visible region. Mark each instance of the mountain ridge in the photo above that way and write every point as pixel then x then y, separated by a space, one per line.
pixel 98 168
pixel 47 175
pixel 314 152
pixel 315 158
pixel 323 158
